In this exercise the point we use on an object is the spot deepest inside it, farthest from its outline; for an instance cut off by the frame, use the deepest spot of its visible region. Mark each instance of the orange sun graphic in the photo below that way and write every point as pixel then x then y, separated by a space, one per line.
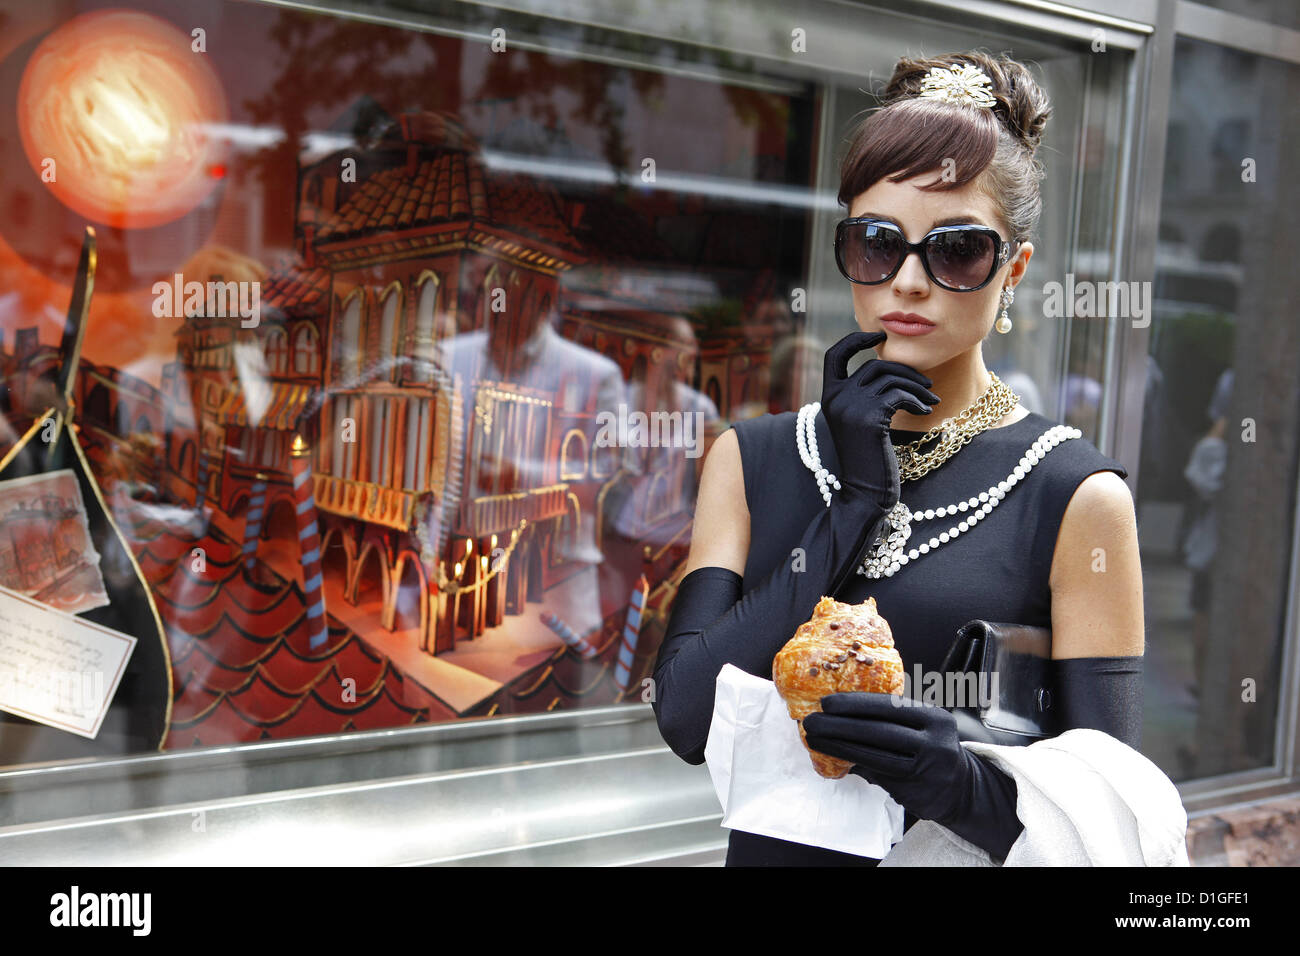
pixel 118 118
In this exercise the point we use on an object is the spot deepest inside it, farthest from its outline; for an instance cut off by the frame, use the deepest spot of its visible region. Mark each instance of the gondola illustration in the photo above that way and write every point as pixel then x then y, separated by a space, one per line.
pixel 138 714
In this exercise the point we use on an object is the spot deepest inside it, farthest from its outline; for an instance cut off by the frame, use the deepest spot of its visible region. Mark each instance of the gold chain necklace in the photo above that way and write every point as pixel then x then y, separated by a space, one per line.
pixel 985 412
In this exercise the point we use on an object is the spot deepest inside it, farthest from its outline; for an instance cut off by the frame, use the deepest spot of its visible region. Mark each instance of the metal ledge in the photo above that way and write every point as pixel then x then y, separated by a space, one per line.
pixel 611 808
pixel 38 793
pixel 700 842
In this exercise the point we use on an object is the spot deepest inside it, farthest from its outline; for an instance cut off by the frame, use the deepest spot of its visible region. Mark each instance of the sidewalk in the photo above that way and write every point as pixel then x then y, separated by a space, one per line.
pixel 1266 834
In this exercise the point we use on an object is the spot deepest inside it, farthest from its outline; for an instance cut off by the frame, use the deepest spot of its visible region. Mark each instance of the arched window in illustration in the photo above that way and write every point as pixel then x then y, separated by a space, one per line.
pixel 567 536
pixel 424 347
pixel 573 456
pixel 713 391
pixel 306 350
pixel 390 310
pixel 370 579
pixel 277 350
pixel 410 593
pixel 349 351
pixel 604 460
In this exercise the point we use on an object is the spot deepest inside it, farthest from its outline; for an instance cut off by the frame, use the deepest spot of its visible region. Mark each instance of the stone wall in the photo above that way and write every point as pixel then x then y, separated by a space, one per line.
pixel 1267 834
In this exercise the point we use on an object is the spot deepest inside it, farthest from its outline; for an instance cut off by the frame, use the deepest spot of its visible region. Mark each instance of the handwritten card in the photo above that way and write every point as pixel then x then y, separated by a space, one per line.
pixel 57 668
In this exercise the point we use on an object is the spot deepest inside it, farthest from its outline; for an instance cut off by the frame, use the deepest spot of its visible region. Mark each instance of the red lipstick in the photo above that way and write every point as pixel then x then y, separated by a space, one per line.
pixel 906 323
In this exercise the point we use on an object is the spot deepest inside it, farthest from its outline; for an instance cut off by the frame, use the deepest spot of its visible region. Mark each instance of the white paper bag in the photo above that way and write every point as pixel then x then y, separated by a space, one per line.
pixel 766 783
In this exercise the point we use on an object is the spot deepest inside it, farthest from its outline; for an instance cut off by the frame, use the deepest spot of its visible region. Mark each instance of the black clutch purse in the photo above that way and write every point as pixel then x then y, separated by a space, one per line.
pixel 1015 702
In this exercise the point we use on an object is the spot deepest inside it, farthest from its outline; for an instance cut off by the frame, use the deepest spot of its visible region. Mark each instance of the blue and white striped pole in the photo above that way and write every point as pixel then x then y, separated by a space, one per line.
pixel 253 522
pixel 631 633
pixel 201 489
pixel 309 543
pixel 569 636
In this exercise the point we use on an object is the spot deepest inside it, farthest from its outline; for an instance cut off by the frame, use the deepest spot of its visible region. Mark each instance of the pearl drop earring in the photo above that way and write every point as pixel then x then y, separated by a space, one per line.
pixel 1004 322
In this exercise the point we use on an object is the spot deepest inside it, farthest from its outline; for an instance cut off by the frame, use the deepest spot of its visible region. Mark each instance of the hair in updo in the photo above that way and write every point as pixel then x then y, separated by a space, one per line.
pixel 910 134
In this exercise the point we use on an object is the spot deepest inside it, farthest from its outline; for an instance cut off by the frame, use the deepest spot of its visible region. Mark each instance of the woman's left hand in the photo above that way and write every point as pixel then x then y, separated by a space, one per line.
pixel 908 747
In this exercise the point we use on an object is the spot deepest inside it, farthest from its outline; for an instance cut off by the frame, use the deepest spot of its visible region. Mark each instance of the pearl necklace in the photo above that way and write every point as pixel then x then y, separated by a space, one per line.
pixel 953 434
pixel 889 554
pixel 805 436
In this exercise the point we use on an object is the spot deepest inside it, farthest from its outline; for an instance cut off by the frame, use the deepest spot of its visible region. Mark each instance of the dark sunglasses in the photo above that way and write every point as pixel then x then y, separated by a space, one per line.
pixel 957 258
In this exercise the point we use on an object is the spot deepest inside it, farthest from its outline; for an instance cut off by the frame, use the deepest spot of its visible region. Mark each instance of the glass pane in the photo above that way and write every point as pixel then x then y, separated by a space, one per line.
pixel 472 487
pixel 1219 435
pixel 527 275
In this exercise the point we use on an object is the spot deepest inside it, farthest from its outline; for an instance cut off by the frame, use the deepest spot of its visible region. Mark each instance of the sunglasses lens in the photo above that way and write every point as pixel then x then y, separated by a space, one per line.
pixel 868 252
pixel 961 259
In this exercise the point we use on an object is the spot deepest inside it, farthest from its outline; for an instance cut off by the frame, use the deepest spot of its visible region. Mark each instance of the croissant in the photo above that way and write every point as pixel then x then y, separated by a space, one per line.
pixel 842 647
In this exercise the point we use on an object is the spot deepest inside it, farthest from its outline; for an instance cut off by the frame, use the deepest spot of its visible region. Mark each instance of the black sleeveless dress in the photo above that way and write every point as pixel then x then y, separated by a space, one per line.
pixel 996 571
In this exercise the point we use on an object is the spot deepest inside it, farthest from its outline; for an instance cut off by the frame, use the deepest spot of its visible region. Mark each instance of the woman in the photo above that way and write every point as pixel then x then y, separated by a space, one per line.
pixel 1038 527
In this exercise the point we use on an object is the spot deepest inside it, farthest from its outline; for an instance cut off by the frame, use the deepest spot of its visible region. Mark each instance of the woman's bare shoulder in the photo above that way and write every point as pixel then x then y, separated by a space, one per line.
pixel 720 535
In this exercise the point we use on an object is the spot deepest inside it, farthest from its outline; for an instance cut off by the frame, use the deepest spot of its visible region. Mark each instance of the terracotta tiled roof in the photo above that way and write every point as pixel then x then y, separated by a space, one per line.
pixel 451 186
pixel 447 187
pixel 529 206
pixel 297 289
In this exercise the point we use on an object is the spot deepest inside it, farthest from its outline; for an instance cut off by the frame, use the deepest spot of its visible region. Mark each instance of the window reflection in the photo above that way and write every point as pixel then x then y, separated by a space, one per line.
pixel 457 454
pixel 1219 455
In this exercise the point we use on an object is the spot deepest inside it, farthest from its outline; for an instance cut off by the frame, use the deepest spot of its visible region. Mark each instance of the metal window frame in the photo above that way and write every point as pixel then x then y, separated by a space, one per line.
pixel 1199 22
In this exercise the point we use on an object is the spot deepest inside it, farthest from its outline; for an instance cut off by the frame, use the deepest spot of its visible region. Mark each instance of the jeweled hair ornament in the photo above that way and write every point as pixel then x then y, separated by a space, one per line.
pixel 964 84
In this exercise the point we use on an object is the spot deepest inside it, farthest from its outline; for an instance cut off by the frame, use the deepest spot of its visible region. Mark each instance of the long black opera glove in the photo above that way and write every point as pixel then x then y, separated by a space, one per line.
pixel 712 625
pixel 913 752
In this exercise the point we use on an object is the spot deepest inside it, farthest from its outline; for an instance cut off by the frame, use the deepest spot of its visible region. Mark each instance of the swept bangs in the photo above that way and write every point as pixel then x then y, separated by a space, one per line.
pixel 915 136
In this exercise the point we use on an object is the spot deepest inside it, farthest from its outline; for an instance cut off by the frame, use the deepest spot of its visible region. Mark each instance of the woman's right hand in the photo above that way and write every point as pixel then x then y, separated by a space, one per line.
pixel 859 410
